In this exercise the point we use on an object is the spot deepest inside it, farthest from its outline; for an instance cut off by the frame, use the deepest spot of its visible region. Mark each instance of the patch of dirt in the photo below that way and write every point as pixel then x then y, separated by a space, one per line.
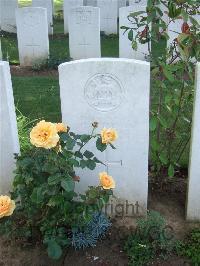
pixel 29 72
pixel 109 251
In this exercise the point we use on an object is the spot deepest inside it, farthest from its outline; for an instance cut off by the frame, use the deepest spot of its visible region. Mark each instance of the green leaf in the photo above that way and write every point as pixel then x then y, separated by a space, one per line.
pixel 85 138
pixel 74 162
pixel 83 163
pixel 91 164
pixel 130 35
pixel 78 154
pixel 100 146
pixel 171 170
pixel 68 185
pixel 88 154
pixel 54 179
pixel 153 123
pixel 37 195
pixel 163 158
pixel 54 250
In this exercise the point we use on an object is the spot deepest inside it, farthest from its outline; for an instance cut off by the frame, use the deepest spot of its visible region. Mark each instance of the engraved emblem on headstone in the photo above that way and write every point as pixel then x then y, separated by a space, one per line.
pixel 31 19
pixel 104 92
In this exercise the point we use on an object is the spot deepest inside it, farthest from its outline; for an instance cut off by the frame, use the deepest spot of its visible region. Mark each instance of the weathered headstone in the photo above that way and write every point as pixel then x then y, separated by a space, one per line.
pixel 7 15
pixel 48 4
pixel 9 142
pixel 67 5
pixel 125 45
pixel 32 35
pixel 84 32
pixel 100 90
pixel 193 197
pixel 108 15
pixel 138 2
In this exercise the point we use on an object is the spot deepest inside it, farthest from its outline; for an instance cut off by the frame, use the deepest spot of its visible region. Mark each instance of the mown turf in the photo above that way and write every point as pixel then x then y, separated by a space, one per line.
pixel 37 97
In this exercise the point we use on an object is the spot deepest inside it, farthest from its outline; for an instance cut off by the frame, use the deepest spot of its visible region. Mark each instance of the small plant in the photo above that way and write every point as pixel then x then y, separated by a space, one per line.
pixel 190 248
pixel 50 63
pixel 24 125
pixel 88 236
pixel 153 238
pixel 48 210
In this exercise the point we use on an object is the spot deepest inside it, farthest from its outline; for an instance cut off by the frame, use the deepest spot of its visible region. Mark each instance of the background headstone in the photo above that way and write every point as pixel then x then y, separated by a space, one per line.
pixel 7 15
pixel 67 5
pixel 32 35
pixel 48 4
pixel 84 32
pixel 108 15
pixel 121 3
pixel 193 197
pixel 9 142
pixel 125 45
pixel 101 90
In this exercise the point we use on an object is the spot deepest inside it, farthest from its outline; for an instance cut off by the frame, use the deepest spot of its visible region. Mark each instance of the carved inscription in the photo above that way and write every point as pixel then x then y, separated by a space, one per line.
pixel 83 17
pixel 104 92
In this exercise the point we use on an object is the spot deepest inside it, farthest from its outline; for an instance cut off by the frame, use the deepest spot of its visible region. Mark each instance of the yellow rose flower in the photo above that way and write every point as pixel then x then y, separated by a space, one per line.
pixel 44 135
pixel 106 181
pixel 7 206
pixel 61 127
pixel 108 135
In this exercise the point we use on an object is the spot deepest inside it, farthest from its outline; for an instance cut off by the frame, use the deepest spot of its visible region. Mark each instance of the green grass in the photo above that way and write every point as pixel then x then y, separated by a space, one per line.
pixel 37 97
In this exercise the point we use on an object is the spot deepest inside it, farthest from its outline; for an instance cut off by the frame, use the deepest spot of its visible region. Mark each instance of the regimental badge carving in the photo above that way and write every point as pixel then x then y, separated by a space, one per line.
pixel 104 92
pixel 31 19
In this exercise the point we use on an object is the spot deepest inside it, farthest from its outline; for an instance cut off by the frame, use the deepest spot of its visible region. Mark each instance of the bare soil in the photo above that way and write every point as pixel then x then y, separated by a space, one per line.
pixel 109 251
pixel 17 70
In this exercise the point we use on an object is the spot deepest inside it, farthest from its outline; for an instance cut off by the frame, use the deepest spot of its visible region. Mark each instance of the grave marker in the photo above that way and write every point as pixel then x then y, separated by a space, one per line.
pixel 7 15
pixel 125 45
pixel 84 32
pixel 32 35
pixel 193 197
pixel 67 5
pixel 102 91
pixel 9 142
pixel 48 4
pixel 108 15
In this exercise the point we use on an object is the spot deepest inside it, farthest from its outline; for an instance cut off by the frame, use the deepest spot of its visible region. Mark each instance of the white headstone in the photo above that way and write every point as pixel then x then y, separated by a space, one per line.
pixel 32 35
pixel 9 142
pixel 48 4
pixel 125 45
pixel 121 3
pixel 1 55
pixel 67 5
pixel 7 15
pixel 193 197
pixel 84 32
pixel 108 15
pixel 100 90
pixel 138 2
pixel 91 2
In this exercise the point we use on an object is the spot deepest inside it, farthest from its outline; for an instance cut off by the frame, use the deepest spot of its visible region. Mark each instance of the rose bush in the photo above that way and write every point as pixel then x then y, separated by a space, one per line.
pixel 47 207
